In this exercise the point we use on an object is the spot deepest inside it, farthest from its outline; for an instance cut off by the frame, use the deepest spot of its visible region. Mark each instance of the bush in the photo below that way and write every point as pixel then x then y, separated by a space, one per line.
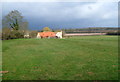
pixel 7 33
pixel 113 33
pixel 16 34
pixel 63 33
pixel 33 34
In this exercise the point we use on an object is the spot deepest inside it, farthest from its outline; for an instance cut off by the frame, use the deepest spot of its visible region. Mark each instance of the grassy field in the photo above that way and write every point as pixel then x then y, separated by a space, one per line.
pixel 75 58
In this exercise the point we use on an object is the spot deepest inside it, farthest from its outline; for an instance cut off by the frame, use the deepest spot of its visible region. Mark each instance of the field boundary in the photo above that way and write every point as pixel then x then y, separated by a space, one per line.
pixel 84 34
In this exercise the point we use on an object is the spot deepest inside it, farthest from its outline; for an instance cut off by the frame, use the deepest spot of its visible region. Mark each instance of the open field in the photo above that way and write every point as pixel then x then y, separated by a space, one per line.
pixel 74 58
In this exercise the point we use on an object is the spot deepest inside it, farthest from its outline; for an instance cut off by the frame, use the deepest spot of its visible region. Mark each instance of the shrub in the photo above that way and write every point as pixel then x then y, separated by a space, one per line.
pixel 7 33
pixel 33 34
pixel 113 33
pixel 16 34
pixel 63 33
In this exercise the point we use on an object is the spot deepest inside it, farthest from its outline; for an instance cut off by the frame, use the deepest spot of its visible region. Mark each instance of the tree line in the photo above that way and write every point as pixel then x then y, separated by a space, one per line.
pixel 14 26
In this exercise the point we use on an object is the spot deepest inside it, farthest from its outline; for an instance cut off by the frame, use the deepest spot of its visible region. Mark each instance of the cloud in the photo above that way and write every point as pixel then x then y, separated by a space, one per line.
pixel 82 13
pixel 64 12
pixel 60 0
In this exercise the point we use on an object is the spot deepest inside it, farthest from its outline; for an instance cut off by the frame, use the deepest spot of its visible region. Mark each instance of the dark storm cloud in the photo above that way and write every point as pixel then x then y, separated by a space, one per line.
pixel 66 14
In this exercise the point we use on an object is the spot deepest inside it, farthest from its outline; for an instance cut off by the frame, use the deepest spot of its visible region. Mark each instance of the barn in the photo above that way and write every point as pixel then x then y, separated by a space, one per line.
pixel 49 34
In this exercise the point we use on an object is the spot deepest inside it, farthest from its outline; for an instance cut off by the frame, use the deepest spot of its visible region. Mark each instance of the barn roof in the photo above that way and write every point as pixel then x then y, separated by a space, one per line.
pixel 47 34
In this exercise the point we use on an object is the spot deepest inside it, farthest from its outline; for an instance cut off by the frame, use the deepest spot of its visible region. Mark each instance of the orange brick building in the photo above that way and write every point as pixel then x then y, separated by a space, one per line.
pixel 46 34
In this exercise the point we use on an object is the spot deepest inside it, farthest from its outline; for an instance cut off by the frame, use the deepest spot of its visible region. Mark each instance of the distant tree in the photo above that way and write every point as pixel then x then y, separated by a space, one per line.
pixel 13 20
pixel 15 25
pixel 46 29
pixel 33 34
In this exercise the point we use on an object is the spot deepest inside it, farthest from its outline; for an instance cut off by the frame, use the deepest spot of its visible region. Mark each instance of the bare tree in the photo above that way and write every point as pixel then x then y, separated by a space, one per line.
pixel 13 20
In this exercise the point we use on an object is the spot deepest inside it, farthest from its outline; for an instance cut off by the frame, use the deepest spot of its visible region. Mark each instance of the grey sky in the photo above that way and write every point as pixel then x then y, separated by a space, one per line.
pixel 66 14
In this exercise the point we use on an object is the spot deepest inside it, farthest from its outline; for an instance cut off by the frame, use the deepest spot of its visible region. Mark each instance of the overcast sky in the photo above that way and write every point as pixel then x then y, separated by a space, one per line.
pixel 65 14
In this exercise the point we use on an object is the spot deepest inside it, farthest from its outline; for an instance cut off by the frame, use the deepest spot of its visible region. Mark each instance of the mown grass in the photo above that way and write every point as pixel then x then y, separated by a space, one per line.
pixel 75 58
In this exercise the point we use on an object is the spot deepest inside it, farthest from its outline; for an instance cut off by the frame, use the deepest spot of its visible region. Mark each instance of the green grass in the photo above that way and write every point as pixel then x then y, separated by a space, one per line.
pixel 75 58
